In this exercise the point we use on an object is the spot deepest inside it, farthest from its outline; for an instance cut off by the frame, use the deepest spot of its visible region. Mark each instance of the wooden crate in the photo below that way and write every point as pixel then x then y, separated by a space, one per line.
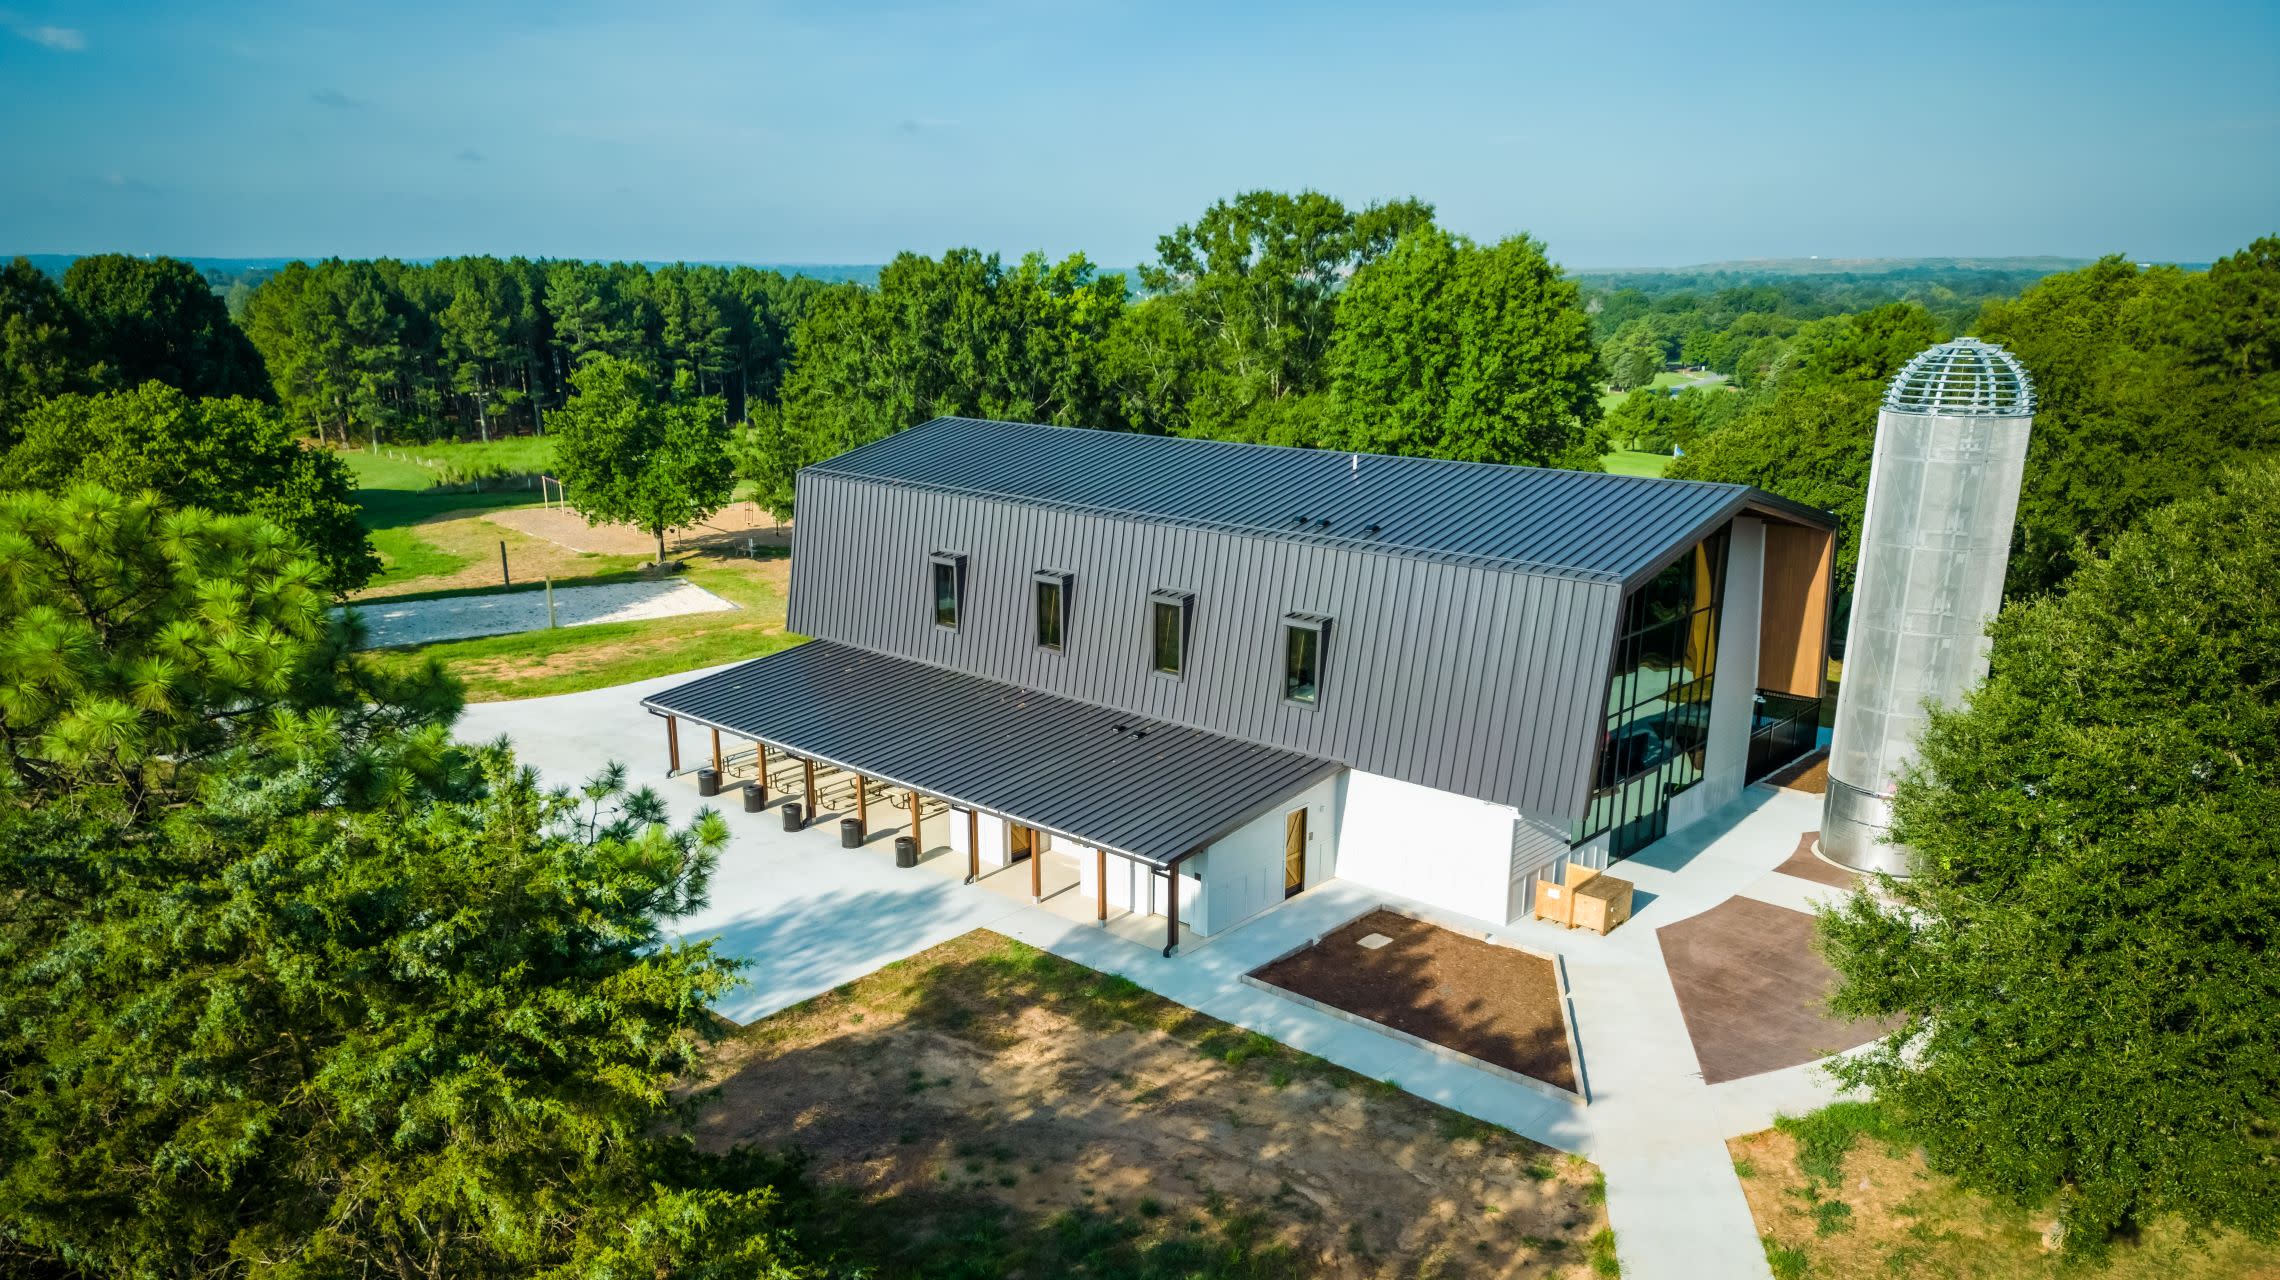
pixel 1554 903
pixel 1600 904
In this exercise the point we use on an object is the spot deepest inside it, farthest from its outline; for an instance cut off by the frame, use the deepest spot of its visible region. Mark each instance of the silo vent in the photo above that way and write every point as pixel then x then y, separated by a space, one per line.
pixel 1965 378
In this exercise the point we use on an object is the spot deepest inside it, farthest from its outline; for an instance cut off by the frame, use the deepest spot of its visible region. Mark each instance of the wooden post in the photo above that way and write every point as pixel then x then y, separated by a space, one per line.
pixel 760 761
pixel 809 769
pixel 914 840
pixel 717 770
pixel 1036 857
pixel 672 746
pixel 1100 885
pixel 862 807
pixel 504 580
pixel 973 845
pixel 1172 910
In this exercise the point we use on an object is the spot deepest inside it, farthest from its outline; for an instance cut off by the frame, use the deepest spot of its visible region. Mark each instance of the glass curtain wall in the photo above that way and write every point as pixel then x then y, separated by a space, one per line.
pixel 1658 699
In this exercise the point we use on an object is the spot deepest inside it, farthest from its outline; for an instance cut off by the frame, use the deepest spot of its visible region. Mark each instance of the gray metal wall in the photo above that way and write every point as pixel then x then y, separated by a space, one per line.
pixel 1479 681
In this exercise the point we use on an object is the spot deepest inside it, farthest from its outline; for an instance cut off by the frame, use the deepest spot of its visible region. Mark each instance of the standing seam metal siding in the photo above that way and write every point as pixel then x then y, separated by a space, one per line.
pixel 1414 675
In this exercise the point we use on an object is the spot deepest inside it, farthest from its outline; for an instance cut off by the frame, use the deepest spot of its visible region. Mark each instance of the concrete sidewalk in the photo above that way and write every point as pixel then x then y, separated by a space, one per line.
pixel 810 916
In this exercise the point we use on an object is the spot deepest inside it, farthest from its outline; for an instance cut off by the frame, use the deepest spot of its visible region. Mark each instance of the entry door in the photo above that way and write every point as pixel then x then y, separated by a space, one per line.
pixel 1020 841
pixel 1294 853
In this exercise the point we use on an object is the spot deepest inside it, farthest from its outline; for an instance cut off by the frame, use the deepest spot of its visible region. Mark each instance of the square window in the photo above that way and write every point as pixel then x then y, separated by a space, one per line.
pixel 1051 590
pixel 1303 639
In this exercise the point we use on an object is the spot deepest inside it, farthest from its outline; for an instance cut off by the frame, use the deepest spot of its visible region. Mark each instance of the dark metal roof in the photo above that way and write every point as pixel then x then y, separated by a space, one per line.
pixel 1561 523
pixel 1154 790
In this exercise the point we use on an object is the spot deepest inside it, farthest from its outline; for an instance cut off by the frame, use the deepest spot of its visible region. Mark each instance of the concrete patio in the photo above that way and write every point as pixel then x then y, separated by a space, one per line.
pixel 811 915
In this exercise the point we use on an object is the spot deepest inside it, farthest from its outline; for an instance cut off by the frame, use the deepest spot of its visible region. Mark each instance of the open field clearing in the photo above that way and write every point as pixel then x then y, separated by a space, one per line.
pixel 1836 1199
pixel 533 664
pixel 986 1109
pixel 1627 462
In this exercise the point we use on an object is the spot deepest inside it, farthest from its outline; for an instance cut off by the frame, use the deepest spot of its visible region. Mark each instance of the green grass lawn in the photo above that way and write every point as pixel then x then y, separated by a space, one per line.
pixel 397 495
pixel 1625 462
pixel 1664 381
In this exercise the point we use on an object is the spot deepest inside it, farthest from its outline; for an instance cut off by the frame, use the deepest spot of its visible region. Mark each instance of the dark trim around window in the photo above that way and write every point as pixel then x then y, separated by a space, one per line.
pixel 946 588
pixel 1171 632
pixel 1305 655
pixel 1049 595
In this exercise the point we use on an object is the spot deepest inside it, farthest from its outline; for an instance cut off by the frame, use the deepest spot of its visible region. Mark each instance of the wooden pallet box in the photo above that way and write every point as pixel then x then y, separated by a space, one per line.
pixel 1600 904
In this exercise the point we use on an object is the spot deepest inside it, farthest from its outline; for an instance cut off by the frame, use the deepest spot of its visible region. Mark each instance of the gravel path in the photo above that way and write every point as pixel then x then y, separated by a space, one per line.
pixel 501 613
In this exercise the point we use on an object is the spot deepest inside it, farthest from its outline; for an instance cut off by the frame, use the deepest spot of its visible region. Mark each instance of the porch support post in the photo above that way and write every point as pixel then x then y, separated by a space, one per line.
pixel 1036 858
pixel 1100 885
pixel 672 745
pixel 717 770
pixel 862 807
pixel 760 763
pixel 1172 910
pixel 808 768
pixel 914 838
pixel 973 845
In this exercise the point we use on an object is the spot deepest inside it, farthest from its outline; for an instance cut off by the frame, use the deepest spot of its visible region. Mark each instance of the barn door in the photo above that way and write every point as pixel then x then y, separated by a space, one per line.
pixel 1294 853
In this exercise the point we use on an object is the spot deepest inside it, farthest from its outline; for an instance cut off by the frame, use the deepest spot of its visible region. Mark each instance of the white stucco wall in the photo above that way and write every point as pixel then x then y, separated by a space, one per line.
pixel 1242 871
pixel 1451 851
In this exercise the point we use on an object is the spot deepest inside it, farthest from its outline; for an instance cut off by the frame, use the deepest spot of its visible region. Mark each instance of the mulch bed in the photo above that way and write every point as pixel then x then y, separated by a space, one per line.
pixel 1754 991
pixel 1809 775
pixel 1489 1002
pixel 1808 865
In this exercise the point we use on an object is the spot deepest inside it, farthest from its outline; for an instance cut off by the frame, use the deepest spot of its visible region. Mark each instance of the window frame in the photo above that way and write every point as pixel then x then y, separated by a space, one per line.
pixel 936 563
pixel 1320 626
pixel 1183 601
pixel 1059 581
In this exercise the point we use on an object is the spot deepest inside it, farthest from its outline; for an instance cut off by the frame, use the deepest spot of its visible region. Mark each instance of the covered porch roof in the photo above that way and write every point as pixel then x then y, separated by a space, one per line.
pixel 1092 774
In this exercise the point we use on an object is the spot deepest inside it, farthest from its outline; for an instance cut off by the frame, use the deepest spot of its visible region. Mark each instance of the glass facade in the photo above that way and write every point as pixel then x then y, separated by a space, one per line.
pixel 1658 699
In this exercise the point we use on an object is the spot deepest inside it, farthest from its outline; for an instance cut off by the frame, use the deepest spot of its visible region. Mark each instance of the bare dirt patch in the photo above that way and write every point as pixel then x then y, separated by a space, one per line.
pixel 727 530
pixel 984 1096
pixel 1885 1214
pixel 1480 999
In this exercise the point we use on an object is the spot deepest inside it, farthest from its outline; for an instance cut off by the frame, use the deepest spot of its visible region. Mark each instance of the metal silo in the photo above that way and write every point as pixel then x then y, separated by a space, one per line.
pixel 1943 493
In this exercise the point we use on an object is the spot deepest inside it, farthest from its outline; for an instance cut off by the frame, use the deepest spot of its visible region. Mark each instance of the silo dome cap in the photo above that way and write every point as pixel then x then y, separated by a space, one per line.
pixel 1965 378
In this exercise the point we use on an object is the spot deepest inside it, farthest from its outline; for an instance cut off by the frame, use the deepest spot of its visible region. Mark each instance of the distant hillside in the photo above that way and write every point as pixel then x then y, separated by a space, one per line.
pixel 221 272
pixel 1761 268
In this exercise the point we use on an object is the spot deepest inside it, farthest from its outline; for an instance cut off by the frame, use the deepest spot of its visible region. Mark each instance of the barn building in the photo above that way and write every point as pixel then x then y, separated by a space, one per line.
pixel 1214 675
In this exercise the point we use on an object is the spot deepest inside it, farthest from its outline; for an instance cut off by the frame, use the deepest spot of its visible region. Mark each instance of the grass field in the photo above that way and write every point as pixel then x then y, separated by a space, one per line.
pixel 1838 1196
pixel 1609 397
pixel 439 544
pixel 984 1108
pixel 1625 462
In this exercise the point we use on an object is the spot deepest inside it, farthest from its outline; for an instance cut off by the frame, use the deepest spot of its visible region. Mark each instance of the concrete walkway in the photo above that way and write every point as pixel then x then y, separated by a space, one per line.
pixel 811 916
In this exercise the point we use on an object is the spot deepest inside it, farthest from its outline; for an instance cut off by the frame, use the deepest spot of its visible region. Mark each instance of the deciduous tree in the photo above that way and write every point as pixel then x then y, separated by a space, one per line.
pixel 1449 349
pixel 624 454
pixel 233 456
pixel 156 318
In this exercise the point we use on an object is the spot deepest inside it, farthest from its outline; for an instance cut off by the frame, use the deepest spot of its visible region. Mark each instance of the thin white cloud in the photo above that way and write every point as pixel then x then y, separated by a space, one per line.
pixel 335 99
pixel 60 39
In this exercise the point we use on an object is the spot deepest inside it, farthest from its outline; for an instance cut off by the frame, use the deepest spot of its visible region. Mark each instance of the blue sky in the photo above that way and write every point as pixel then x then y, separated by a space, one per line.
pixel 1619 134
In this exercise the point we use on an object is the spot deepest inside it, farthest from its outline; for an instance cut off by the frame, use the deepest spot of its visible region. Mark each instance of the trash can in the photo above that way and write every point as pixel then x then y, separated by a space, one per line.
pixel 793 818
pixel 755 796
pixel 850 833
pixel 708 782
pixel 906 851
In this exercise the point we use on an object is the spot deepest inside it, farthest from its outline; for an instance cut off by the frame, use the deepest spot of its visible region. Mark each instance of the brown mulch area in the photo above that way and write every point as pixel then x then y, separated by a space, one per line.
pixel 1480 999
pixel 1808 865
pixel 1809 775
pixel 1754 991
